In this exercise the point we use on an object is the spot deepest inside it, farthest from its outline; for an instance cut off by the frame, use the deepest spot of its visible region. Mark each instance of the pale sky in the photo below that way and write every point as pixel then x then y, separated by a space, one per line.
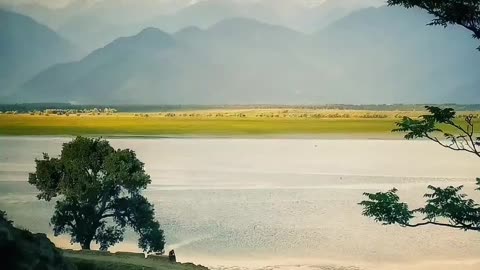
pixel 62 3
pixel 49 3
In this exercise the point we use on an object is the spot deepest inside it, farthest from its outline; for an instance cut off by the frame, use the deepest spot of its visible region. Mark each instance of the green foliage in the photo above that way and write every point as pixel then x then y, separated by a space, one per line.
pixel 428 126
pixel 448 203
pixel 447 207
pixel 386 208
pixel 99 194
pixel 459 12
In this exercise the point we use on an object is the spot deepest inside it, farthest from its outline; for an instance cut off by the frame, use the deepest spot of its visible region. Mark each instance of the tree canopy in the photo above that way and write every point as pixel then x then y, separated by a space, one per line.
pixel 465 13
pixel 99 193
pixel 447 207
pixel 428 126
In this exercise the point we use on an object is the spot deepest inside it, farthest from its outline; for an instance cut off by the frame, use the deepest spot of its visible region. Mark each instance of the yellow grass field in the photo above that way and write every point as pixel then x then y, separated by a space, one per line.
pixel 216 123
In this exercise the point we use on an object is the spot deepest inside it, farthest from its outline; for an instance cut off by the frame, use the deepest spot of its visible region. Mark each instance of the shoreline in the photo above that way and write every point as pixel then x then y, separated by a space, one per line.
pixel 279 263
pixel 326 137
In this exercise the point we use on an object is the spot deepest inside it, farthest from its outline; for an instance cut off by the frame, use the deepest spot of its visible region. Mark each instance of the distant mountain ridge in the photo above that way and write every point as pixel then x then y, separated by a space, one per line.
pixel 26 48
pixel 375 55
pixel 93 24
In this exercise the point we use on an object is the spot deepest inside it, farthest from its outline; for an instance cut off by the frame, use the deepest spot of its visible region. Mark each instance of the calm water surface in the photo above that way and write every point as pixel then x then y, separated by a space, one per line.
pixel 274 204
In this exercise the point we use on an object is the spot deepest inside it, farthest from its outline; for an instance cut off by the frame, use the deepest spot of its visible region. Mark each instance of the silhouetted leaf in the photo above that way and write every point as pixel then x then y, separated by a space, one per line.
pixel 386 207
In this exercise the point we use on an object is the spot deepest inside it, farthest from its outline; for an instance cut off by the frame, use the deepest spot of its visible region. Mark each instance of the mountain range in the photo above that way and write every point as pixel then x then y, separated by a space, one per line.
pixel 93 24
pixel 373 55
pixel 26 48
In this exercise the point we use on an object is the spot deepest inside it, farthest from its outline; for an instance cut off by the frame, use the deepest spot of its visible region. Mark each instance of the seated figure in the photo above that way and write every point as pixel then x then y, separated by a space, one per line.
pixel 171 256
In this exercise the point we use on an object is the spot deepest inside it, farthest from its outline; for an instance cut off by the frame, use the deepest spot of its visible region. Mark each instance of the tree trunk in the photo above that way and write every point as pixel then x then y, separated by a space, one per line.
pixel 86 245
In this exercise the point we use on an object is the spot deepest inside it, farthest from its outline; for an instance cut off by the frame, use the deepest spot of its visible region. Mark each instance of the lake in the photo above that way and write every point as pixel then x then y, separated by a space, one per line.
pixel 274 203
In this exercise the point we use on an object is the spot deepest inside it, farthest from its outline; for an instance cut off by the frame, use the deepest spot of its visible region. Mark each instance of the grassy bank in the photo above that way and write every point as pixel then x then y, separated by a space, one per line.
pixel 124 261
pixel 155 126
pixel 209 123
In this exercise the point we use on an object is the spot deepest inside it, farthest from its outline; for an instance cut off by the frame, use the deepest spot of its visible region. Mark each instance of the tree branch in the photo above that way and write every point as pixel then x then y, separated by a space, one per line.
pixel 471 27
pixel 469 134
pixel 462 226
pixel 435 139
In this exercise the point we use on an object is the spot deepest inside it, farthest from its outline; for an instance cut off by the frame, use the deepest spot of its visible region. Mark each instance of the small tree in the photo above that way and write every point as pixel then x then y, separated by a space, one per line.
pixel 99 194
pixel 447 207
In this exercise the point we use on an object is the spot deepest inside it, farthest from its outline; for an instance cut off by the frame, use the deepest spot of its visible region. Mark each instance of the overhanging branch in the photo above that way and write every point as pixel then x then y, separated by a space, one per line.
pixel 462 227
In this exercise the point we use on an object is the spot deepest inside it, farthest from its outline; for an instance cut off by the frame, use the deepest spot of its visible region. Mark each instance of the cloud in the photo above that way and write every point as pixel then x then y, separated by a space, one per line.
pixel 47 3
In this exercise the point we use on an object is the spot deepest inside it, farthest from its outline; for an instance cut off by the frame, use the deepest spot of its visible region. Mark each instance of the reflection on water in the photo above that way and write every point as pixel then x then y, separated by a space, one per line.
pixel 252 203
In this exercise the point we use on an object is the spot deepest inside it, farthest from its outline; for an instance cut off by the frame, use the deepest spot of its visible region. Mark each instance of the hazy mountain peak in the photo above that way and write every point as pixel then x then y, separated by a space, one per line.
pixel 27 47
pixel 149 37
pixel 189 29
pixel 151 31
pixel 189 32
pixel 238 22
pixel 11 19
pixel 148 40
pixel 239 25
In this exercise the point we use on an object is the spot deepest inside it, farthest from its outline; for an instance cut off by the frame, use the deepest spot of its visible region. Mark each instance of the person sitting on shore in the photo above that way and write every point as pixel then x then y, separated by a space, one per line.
pixel 171 256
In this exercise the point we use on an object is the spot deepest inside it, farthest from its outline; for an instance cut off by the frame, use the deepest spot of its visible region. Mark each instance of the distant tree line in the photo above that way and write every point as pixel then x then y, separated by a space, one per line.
pixel 30 107
pixel 47 112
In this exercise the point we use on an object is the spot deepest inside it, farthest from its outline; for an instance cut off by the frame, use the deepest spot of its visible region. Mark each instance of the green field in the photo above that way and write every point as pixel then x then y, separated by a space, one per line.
pixel 210 123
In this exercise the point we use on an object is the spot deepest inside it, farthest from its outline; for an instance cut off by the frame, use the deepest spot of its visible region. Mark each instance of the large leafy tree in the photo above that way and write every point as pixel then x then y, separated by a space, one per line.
pixel 98 192
pixel 447 207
